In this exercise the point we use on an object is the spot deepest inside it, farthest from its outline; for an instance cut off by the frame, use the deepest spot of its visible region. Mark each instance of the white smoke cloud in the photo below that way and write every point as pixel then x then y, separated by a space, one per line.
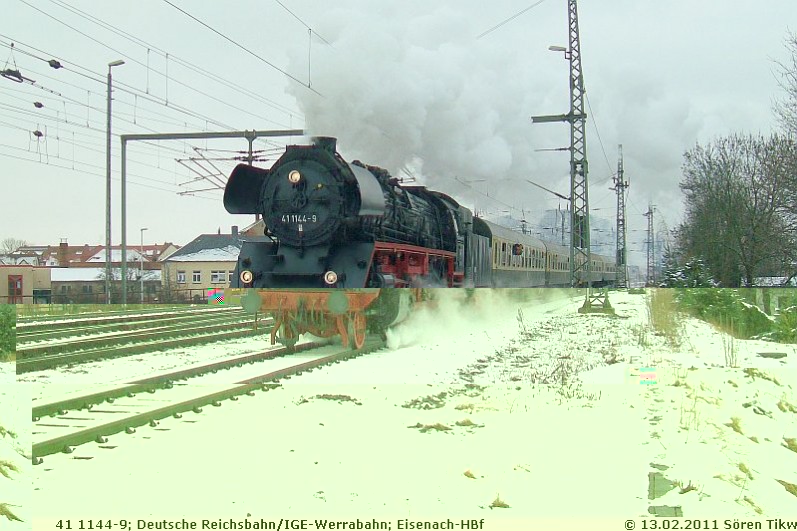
pixel 419 87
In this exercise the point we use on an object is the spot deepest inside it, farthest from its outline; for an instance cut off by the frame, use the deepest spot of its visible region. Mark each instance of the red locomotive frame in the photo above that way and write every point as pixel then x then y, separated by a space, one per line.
pixel 323 313
pixel 406 263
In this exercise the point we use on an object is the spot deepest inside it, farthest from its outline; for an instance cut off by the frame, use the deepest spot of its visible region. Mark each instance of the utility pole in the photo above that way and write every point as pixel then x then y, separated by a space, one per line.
pixel 620 185
pixel 651 275
pixel 249 135
pixel 580 253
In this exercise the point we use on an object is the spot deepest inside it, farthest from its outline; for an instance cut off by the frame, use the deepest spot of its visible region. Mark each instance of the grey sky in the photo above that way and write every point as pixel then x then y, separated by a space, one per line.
pixel 403 85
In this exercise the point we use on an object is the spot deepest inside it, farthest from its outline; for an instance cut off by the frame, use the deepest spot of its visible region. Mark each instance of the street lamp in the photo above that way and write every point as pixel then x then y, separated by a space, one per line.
pixel 108 191
pixel 141 259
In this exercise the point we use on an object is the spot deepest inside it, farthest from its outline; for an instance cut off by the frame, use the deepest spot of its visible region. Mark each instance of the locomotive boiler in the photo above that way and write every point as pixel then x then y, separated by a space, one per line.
pixel 332 224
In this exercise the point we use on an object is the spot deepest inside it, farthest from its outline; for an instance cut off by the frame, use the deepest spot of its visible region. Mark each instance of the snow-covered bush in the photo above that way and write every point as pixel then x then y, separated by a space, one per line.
pixel 692 274
pixel 727 309
pixel 8 340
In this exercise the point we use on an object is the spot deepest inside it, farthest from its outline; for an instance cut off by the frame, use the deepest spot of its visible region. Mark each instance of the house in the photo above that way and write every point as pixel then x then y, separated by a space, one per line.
pixel 86 285
pixel 208 261
pixel 24 284
pixel 65 255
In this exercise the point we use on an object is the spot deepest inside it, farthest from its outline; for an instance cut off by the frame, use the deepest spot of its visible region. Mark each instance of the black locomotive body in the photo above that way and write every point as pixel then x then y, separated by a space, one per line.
pixel 333 224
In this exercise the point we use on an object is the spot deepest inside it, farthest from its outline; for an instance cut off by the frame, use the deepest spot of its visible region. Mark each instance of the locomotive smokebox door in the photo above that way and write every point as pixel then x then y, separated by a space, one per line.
pixel 242 193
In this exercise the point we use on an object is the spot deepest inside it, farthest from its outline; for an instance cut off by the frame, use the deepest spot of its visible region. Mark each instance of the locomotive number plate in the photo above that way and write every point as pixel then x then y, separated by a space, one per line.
pixel 299 218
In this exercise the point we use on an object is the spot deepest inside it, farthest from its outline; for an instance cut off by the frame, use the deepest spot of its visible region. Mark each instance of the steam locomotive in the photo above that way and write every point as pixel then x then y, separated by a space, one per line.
pixel 333 224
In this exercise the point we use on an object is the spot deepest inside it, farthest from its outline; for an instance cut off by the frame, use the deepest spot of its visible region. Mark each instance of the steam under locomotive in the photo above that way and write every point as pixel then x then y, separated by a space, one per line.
pixel 333 224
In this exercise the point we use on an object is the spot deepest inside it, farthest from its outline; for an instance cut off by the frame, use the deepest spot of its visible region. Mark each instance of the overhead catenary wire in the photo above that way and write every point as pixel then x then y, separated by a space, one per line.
pixel 143 94
pixel 304 23
pixel 122 87
pixel 510 19
pixel 244 48
pixel 187 64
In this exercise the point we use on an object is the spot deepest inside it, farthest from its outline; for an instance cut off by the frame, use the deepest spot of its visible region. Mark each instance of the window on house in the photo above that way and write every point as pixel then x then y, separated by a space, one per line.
pixel 181 277
pixel 217 276
pixel 196 277
pixel 231 276
pixel 88 288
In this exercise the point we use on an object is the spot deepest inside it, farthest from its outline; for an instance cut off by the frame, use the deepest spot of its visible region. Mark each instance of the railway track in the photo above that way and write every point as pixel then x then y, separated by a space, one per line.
pixel 118 315
pixel 43 331
pixel 61 426
pixel 202 329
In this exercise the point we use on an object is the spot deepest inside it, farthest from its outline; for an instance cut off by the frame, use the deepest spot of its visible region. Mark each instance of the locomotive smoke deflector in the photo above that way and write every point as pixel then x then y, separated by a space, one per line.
pixel 242 193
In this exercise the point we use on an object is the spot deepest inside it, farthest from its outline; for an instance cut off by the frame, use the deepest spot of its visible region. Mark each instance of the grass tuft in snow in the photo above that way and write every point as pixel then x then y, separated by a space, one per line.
pixel 730 349
pixel 428 402
pixel 791 488
pixel 4 432
pixel 424 428
pixel 687 488
pixel 791 444
pixel 5 511
pixel 736 425
pixel 754 439
pixel 640 332
pixel 786 407
pixel 754 373
pixel 690 418
pixel 664 316
pixel 499 503
pixel 338 398
pixel 745 470
pixel 469 474
pixel 5 466
pixel 755 507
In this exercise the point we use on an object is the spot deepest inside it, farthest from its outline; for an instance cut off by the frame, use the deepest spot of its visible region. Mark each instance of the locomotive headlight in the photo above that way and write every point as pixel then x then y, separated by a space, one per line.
pixel 330 277
pixel 246 276
pixel 294 177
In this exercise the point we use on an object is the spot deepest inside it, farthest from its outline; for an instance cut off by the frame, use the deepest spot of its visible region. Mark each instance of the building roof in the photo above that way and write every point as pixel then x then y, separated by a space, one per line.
pixel 88 274
pixel 75 255
pixel 209 248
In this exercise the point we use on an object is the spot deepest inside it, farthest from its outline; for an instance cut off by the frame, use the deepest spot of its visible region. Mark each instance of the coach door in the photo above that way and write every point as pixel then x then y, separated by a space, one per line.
pixel 14 289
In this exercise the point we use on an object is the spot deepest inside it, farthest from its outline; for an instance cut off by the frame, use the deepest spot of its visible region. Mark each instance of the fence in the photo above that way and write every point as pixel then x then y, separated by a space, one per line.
pixel 186 296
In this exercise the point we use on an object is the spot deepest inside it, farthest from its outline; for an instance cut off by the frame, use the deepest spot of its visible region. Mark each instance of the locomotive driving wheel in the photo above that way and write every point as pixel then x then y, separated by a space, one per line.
pixel 357 330
pixel 286 332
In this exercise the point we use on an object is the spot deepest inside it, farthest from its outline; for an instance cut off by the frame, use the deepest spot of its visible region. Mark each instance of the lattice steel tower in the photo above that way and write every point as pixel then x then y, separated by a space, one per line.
pixel 580 253
pixel 620 185
pixel 651 273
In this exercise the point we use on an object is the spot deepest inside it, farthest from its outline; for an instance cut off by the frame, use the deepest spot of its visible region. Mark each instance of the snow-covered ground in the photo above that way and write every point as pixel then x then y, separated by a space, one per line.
pixel 453 418
pixel 130 368
pixel 16 509
pixel 8 371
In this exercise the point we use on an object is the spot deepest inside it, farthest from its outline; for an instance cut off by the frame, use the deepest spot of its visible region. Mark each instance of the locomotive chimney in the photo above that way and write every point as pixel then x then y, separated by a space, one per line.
pixel 327 143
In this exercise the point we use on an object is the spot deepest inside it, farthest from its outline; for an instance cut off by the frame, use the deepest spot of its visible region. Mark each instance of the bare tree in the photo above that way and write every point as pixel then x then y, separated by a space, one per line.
pixel 737 205
pixel 786 107
pixel 9 245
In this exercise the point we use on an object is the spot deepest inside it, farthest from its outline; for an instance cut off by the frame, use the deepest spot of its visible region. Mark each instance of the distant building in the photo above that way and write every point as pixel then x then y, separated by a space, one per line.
pixel 208 261
pixel 65 255
pixel 24 284
pixel 85 285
